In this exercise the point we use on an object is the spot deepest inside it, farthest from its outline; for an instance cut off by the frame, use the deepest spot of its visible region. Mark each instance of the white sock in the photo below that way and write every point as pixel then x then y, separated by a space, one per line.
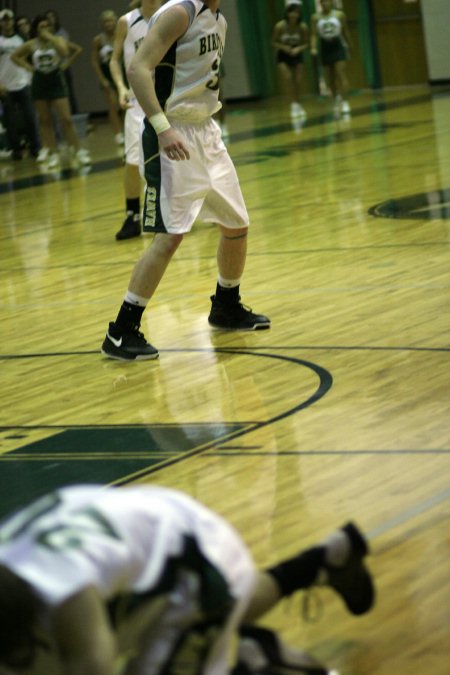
pixel 134 299
pixel 228 283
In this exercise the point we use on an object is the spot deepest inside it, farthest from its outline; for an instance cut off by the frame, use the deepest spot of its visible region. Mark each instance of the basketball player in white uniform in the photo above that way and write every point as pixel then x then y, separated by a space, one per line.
pixel 130 32
pixel 149 574
pixel 101 52
pixel 175 76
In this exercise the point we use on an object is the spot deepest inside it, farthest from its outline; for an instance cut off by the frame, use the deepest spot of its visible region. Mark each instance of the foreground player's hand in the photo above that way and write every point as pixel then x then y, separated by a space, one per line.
pixel 172 145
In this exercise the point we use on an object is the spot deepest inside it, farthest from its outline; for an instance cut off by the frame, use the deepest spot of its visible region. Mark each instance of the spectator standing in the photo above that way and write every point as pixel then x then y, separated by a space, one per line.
pixel 49 88
pixel 15 91
pixel 23 27
pixel 331 40
pixel 291 40
pixel 74 51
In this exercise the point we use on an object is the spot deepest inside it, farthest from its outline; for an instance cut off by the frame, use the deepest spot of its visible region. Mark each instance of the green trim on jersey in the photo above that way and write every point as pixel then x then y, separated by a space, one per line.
pixel 48 86
pixel 216 601
pixel 215 598
pixel 165 76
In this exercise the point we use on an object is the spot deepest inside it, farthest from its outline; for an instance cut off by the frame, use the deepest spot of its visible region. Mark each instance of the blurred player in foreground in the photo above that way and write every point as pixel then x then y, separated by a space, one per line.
pixel 151 578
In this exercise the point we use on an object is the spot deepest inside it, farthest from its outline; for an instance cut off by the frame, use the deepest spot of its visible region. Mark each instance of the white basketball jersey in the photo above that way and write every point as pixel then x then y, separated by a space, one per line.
pixel 137 30
pixel 122 541
pixel 187 79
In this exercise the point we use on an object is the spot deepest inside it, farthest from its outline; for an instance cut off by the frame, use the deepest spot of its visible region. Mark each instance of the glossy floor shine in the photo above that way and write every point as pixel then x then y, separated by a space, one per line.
pixel 339 412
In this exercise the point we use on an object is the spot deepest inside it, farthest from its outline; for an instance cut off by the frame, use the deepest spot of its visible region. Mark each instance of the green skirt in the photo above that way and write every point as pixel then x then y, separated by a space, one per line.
pixel 48 86
pixel 332 51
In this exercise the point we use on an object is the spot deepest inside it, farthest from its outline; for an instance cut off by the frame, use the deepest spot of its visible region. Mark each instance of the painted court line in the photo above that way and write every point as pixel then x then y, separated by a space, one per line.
pixel 409 514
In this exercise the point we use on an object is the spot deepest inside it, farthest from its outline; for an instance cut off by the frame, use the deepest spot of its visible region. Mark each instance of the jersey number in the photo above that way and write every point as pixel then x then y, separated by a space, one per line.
pixel 213 83
pixel 83 524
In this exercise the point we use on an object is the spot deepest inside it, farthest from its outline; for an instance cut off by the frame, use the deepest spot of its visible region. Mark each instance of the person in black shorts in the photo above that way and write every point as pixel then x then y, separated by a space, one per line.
pixel 331 40
pixel 75 50
pixel 291 38
pixel 15 94
pixel 48 86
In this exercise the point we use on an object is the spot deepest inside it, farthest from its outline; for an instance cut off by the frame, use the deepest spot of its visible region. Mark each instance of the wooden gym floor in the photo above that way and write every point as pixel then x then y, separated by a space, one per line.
pixel 339 412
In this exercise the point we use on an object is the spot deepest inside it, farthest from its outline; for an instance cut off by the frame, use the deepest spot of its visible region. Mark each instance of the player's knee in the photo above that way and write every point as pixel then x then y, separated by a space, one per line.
pixel 235 233
pixel 167 244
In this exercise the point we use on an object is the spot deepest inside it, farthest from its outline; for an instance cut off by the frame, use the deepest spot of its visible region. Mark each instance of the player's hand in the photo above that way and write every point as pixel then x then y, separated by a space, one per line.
pixel 124 99
pixel 45 34
pixel 171 145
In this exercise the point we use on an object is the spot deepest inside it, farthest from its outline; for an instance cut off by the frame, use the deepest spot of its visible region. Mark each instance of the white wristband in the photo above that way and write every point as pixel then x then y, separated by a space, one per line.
pixel 159 122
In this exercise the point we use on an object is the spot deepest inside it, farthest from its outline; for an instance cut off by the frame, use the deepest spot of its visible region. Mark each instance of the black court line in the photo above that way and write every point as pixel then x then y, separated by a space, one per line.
pixel 115 163
pixel 354 348
pixel 319 159
pixel 376 106
pixel 92 218
pixel 253 254
pixel 325 384
pixel 37 180
pixel 138 425
pixel 325 379
pixel 239 350
pixel 243 451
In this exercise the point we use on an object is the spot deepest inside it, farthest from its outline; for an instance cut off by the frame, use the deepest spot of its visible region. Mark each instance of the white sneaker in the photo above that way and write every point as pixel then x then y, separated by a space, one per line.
pixel 83 157
pixel 260 650
pixel 345 108
pixel 53 161
pixel 297 124
pixel 297 110
pixel 119 138
pixel 42 155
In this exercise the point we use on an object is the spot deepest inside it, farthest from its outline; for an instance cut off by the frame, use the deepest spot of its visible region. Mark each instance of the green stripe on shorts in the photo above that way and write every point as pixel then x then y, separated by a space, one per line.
pixel 152 218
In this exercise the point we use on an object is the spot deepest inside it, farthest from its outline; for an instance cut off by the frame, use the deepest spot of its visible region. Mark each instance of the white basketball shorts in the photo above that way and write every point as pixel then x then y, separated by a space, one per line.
pixel 204 187
pixel 132 132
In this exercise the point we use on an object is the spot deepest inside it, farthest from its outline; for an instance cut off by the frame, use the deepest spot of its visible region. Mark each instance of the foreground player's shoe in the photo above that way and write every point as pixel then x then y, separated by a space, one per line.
pixel 130 228
pixel 261 652
pixel 235 317
pixel 130 346
pixel 344 569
